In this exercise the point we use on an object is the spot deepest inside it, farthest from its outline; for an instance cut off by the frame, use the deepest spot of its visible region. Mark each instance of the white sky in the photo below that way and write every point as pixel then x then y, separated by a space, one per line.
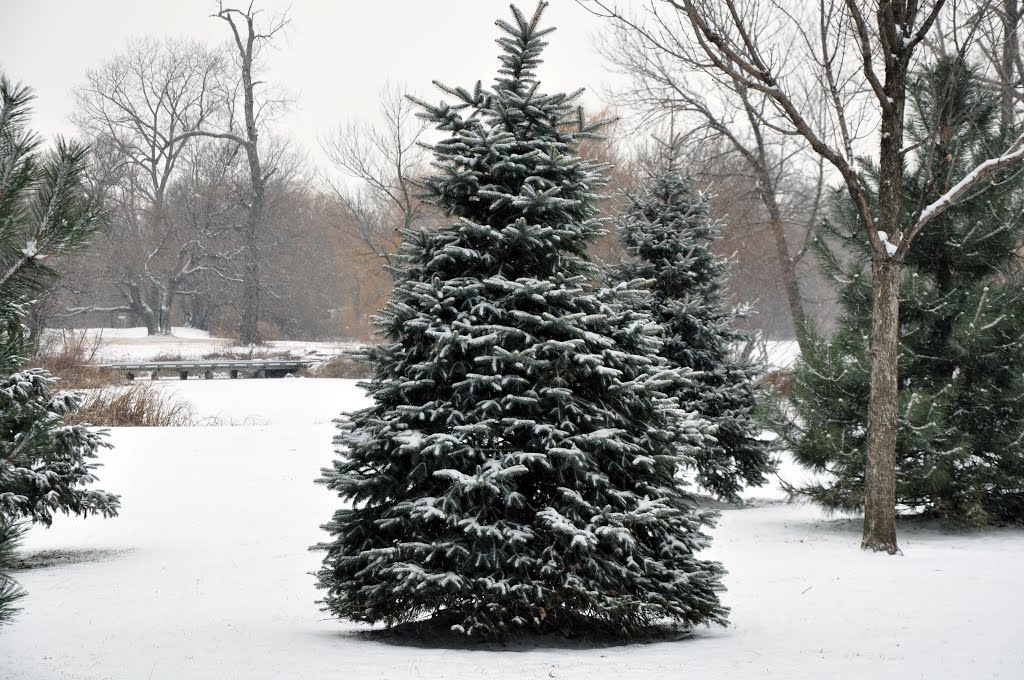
pixel 334 59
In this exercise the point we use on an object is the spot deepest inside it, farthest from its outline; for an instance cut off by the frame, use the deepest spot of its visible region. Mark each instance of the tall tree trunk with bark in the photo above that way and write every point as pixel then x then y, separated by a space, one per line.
pixel 788 266
pixel 880 480
pixel 880 475
pixel 245 42
pixel 249 331
pixel 166 305
pixel 759 159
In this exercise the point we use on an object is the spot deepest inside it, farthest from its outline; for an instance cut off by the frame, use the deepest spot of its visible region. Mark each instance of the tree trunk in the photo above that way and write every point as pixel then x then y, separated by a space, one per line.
pixel 880 477
pixel 152 324
pixel 1008 63
pixel 166 303
pixel 249 331
pixel 886 268
pixel 141 309
pixel 769 197
pixel 249 326
pixel 789 280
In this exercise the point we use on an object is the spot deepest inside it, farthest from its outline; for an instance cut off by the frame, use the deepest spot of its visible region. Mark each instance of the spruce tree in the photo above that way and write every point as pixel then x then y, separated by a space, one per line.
pixel 960 444
pixel 44 464
pixel 518 468
pixel 668 232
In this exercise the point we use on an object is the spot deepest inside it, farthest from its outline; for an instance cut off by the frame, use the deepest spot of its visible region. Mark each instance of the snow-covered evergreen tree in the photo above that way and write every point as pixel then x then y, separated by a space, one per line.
pixel 44 464
pixel 518 468
pixel 960 441
pixel 10 592
pixel 668 232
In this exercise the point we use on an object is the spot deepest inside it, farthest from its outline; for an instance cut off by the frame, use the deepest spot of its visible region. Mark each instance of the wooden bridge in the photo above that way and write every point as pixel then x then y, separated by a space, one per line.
pixel 255 368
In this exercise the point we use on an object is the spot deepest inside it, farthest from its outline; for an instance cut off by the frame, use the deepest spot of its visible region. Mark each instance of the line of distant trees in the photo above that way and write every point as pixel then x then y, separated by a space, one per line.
pixel 174 125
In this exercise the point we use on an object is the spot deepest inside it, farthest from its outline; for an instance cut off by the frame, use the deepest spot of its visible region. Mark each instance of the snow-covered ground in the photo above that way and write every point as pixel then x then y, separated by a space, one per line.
pixel 205 575
pixel 133 344
pixel 781 353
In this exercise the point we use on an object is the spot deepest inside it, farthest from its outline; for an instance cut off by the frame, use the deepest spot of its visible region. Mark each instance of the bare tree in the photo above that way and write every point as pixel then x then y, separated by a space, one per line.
pixel 856 61
pixel 207 203
pixel 249 39
pixel 139 110
pixel 383 161
pixel 725 116
pixel 371 200
pixel 747 237
pixel 996 35
pixel 300 280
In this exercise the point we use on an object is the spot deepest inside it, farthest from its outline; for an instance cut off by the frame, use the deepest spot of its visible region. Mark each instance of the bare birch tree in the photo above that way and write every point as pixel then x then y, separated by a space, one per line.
pixel 854 56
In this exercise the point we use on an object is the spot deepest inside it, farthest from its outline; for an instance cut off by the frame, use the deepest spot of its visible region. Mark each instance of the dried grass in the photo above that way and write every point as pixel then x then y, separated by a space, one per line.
pixel 69 356
pixel 342 366
pixel 778 382
pixel 164 356
pixel 137 405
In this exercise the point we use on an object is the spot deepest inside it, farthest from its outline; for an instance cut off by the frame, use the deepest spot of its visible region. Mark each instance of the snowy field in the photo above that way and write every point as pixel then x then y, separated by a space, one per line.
pixel 132 344
pixel 781 353
pixel 206 575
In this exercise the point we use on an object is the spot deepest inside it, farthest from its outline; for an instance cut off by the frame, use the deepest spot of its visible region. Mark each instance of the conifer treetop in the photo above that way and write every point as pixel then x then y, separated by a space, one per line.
pixel 521 48
pixel 509 170
pixel 42 211
pixel 516 97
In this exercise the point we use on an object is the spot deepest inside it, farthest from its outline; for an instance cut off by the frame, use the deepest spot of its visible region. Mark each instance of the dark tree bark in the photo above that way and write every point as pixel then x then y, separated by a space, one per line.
pixel 880 481
pixel 788 265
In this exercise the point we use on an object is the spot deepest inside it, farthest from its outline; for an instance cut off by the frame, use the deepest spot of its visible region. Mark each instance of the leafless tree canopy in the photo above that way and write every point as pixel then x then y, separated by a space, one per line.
pixel 170 165
pixel 138 110
pixel 720 116
pixel 378 165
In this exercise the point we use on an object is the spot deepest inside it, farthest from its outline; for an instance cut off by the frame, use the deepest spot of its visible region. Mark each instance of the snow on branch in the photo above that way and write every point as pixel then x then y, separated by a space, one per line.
pixel 74 311
pixel 1013 155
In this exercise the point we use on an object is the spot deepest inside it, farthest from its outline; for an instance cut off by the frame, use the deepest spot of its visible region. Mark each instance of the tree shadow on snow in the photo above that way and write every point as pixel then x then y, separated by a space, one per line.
pixel 434 634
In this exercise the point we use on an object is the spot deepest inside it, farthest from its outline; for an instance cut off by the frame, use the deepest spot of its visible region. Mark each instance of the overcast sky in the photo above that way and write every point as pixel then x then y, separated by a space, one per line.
pixel 334 59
